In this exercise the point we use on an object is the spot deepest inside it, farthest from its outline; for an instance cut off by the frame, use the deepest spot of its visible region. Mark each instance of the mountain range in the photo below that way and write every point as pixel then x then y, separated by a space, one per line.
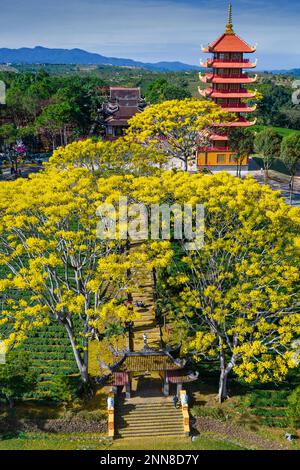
pixel 44 55
pixel 295 72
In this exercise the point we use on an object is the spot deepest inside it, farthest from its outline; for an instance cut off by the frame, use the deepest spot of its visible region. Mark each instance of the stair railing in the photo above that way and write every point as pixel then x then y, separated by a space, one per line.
pixel 185 411
pixel 111 415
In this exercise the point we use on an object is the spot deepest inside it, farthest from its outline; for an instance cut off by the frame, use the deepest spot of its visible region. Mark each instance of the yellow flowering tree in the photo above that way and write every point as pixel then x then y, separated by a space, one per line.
pixel 177 128
pixel 236 300
pixel 105 158
pixel 54 268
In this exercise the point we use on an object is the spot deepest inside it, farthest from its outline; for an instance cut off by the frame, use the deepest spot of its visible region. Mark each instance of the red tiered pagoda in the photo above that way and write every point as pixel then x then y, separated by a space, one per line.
pixel 227 88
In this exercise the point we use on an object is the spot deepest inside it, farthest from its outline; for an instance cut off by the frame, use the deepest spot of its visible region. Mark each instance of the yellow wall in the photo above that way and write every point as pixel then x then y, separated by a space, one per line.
pixel 211 158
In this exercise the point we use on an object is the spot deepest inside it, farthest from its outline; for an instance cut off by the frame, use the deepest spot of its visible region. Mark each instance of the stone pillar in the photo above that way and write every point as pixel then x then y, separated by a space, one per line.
pixel 111 414
pixel 166 386
pixel 179 388
pixel 128 387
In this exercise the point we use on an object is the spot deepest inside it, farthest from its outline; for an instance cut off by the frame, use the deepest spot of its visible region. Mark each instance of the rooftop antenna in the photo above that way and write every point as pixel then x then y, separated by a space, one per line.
pixel 229 25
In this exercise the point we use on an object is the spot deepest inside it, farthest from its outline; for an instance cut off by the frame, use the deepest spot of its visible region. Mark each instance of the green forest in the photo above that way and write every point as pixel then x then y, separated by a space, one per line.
pixel 53 105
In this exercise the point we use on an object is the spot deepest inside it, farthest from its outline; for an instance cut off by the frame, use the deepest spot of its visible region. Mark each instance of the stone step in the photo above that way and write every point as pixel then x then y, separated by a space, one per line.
pixel 158 412
pixel 149 320
pixel 161 412
pixel 142 425
pixel 148 325
pixel 146 422
pixel 146 417
pixel 150 404
pixel 135 435
pixel 158 409
pixel 132 428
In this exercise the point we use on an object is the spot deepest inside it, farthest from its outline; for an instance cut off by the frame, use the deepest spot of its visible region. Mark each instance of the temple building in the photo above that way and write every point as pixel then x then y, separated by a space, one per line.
pixel 122 104
pixel 227 83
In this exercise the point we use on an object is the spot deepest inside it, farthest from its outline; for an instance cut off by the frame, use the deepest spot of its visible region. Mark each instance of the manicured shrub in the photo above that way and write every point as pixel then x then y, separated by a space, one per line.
pixel 293 409
pixel 92 416
pixel 207 412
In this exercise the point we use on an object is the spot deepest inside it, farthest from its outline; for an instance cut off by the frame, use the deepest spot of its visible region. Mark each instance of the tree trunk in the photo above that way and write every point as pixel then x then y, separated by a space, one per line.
pixel 223 392
pixel 65 136
pixel 291 189
pixel 186 164
pixel 82 365
pixel 225 370
pixel 10 402
pixel 266 174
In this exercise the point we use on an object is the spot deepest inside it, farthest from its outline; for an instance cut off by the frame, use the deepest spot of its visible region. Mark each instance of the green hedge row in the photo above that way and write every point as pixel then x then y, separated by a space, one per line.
pixel 267 398
pixel 51 356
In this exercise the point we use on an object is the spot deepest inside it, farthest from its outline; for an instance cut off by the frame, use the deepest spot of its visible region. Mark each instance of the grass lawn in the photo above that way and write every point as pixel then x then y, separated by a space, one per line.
pixel 96 442
pixel 281 130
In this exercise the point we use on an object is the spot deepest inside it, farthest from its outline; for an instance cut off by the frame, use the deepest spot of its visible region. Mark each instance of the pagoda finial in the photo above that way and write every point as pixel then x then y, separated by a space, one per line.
pixel 229 26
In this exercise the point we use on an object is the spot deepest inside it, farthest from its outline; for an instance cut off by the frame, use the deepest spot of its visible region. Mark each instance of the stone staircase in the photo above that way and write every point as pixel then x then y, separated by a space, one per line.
pixel 156 417
pixel 146 321
pixel 147 413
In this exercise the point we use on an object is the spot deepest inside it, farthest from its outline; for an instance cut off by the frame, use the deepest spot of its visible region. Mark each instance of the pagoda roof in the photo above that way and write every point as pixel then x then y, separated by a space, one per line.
pixel 242 78
pixel 210 92
pixel 230 42
pixel 217 137
pixel 228 64
pixel 123 103
pixel 241 122
pixel 181 376
pixel 148 361
pixel 173 376
pixel 238 108
pixel 116 122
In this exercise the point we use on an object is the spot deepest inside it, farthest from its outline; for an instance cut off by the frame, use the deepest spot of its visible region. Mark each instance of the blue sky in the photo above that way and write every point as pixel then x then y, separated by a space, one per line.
pixel 153 30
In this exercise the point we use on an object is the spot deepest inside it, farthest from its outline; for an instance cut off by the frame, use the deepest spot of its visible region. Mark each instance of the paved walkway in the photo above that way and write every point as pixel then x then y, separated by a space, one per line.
pixel 26 170
pixel 277 181
pixel 280 182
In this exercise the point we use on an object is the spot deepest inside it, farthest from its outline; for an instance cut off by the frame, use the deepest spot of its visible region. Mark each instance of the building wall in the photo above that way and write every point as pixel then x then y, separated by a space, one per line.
pixel 218 159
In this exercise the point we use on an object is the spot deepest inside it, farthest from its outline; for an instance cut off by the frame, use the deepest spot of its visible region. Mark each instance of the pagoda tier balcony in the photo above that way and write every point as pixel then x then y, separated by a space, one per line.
pixel 215 149
pixel 238 108
pixel 239 79
pixel 218 137
pixel 228 64
pixel 211 93
pixel 240 123
pixel 211 50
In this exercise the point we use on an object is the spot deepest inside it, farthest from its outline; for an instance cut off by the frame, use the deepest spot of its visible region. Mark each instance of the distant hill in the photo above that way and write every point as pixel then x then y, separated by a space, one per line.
pixel 43 55
pixel 295 72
